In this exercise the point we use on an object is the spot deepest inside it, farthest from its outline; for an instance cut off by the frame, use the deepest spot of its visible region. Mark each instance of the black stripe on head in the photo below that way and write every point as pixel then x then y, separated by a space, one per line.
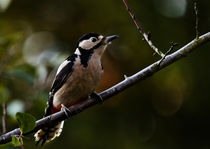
pixel 87 36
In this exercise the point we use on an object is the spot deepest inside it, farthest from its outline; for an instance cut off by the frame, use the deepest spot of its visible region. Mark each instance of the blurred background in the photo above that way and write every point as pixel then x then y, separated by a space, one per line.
pixel 168 110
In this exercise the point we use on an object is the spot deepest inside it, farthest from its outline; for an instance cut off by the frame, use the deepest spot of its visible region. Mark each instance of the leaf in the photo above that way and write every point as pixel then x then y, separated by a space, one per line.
pixel 26 121
pixel 17 140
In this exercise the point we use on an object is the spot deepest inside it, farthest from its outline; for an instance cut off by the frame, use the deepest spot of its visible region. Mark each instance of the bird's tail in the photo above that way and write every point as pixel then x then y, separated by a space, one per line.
pixel 47 134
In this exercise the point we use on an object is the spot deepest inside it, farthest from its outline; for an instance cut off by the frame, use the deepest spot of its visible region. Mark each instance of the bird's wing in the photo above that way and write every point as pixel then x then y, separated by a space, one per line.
pixel 63 73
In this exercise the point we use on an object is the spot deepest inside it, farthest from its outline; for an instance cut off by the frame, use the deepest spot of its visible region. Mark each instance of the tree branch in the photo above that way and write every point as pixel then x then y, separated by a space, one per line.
pixel 171 48
pixel 128 82
pixel 196 19
pixel 140 29
pixel 4 129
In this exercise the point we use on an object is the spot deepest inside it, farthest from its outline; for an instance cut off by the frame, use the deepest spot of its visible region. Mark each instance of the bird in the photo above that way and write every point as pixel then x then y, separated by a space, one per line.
pixel 76 79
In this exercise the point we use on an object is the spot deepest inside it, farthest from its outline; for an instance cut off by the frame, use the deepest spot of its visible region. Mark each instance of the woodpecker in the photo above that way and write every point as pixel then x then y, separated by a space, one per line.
pixel 75 80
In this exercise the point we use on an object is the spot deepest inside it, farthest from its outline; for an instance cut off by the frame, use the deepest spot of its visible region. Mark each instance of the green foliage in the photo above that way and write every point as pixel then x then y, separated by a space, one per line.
pixel 26 122
pixel 17 140
pixel 4 94
pixel 10 39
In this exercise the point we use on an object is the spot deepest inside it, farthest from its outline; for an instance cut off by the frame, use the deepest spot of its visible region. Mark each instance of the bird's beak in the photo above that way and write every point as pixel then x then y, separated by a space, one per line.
pixel 108 39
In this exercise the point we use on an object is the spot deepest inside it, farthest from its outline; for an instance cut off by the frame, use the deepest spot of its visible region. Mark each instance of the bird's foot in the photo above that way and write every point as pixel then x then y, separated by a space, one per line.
pixel 66 110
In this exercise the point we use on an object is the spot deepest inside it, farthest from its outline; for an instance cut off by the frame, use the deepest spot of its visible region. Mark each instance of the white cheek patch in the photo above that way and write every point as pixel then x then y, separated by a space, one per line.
pixel 62 66
pixel 87 44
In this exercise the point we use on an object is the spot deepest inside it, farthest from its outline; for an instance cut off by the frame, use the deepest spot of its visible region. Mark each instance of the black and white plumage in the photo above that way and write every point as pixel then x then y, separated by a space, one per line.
pixel 76 78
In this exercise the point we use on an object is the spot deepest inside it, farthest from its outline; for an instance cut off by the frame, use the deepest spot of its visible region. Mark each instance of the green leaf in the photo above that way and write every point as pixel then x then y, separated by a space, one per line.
pixel 17 142
pixel 26 121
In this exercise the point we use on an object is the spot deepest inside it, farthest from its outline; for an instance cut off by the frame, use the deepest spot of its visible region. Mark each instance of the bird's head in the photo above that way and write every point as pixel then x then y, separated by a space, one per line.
pixel 93 42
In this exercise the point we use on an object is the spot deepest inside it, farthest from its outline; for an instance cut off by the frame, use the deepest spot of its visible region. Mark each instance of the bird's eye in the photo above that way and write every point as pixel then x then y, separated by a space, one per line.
pixel 94 39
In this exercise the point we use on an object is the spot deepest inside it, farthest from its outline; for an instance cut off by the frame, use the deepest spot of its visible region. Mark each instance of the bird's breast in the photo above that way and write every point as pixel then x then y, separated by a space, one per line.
pixel 82 81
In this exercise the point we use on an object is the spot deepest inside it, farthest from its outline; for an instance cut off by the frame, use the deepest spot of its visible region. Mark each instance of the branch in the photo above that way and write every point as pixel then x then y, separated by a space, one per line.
pixel 140 29
pixel 196 19
pixel 128 82
pixel 171 48
pixel 4 130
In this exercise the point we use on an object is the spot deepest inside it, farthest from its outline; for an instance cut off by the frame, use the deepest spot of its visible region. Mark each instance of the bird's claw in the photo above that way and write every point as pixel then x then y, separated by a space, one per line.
pixel 66 110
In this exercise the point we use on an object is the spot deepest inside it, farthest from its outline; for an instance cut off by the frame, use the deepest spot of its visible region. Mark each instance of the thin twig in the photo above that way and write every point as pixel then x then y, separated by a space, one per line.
pixel 126 83
pixel 21 145
pixel 146 36
pixel 4 129
pixel 170 49
pixel 19 138
pixel 196 19
pixel 125 76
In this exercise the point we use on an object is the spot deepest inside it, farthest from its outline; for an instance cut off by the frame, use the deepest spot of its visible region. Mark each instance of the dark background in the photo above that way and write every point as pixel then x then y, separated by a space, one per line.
pixel 168 110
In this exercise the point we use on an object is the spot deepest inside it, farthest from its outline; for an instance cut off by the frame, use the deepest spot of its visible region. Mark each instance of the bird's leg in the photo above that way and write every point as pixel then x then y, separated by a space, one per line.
pixel 96 96
pixel 66 110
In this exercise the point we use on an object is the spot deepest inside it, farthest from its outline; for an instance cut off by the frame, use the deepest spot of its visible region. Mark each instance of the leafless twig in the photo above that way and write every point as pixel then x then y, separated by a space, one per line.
pixel 196 19
pixel 126 83
pixel 170 49
pixel 145 35
pixel 4 129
